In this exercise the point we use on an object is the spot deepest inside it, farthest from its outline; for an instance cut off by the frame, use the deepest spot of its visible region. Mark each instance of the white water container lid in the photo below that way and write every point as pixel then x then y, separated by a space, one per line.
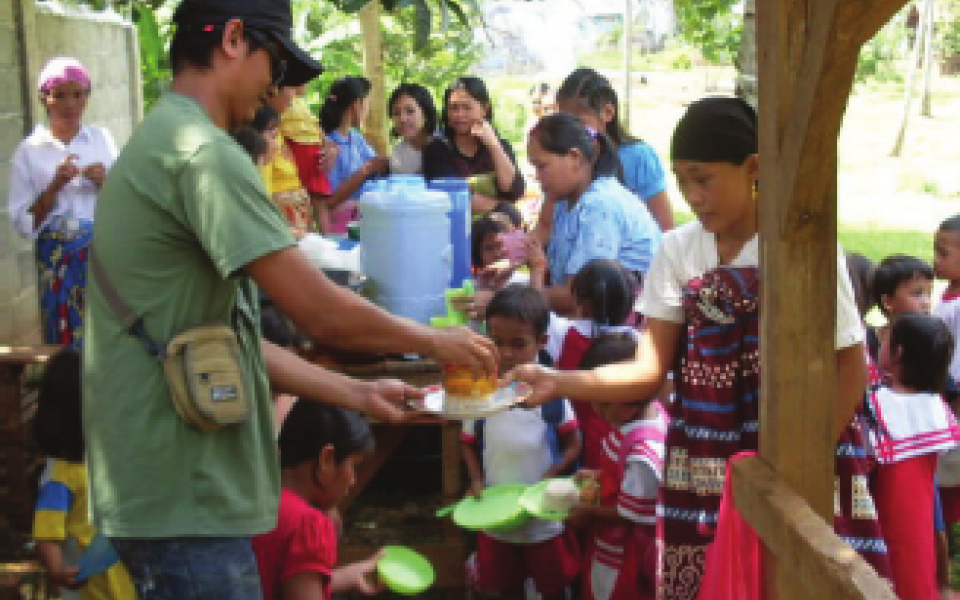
pixel 406 201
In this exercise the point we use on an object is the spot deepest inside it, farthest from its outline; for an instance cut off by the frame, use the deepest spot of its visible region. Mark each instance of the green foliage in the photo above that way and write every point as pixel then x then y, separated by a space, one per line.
pixel 426 12
pixel 449 52
pixel 878 57
pixel 712 27
pixel 154 65
pixel 947 34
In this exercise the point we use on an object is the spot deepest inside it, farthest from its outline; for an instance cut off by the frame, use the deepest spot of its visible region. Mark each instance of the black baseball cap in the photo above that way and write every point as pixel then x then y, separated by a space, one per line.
pixel 268 16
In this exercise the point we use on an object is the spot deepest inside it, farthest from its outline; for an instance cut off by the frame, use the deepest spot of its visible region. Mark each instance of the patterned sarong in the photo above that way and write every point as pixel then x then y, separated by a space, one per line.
pixel 62 283
pixel 716 415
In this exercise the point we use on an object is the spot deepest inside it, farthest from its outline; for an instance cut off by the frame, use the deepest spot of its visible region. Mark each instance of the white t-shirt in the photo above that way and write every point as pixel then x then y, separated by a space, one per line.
pixel 690 251
pixel 516 450
pixel 406 160
pixel 34 164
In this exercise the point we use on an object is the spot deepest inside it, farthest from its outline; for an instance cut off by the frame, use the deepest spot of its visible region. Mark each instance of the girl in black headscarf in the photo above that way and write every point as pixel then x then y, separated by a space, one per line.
pixel 701 300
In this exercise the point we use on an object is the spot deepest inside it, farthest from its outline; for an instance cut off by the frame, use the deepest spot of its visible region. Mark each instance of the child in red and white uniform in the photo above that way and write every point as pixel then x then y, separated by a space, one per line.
pixel 914 426
pixel 604 292
pixel 621 558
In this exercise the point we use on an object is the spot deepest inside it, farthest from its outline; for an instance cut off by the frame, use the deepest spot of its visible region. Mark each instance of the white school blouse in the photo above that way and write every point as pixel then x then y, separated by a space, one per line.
pixel 34 164
pixel 690 251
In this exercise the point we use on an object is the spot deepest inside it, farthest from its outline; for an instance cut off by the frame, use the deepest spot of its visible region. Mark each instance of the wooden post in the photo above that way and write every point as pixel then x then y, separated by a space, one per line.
pixel 807 56
pixel 376 128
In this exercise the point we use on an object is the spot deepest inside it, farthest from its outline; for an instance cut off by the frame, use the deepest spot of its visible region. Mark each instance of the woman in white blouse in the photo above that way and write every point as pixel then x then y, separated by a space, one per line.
pixel 57 172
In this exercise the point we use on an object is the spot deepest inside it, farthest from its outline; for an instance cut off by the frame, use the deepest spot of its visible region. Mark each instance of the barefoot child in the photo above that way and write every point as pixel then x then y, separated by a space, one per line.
pixel 522 445
pixel 320 448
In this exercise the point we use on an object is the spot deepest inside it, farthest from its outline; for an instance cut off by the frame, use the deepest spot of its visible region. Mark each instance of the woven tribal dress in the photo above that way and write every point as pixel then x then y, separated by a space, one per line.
pixel 716 414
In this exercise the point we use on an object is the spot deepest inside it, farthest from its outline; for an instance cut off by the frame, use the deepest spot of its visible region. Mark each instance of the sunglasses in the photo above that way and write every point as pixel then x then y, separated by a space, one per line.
pixel 61 96
pixel 278 64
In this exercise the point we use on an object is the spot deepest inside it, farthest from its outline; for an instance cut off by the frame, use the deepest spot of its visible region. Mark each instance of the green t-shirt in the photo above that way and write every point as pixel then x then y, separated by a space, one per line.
pixel 182 211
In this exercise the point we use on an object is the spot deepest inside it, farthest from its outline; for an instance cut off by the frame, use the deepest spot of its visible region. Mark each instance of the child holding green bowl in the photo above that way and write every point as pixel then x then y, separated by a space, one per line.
pixel 320 448
pixel 521 445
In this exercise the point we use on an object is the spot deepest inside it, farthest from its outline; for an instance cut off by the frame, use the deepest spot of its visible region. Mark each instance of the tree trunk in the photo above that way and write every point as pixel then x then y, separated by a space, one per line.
pixel 375 127
pixel 927 62
pixel 746 61
pixel 911 81
pixel 627 34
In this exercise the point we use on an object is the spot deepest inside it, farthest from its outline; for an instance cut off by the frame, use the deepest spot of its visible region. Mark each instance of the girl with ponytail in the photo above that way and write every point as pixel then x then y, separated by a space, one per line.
pixel 342 113
pixel 590 97
pixel 594 216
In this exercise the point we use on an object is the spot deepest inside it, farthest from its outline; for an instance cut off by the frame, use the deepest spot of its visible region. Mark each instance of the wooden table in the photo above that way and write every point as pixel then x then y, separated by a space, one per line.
pixel 449 555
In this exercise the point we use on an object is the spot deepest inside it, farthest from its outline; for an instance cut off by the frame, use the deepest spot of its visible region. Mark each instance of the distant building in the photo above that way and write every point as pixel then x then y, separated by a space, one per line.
pixel 544 37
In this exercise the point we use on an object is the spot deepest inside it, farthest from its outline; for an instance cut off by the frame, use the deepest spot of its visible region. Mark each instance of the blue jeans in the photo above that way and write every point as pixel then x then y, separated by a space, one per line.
pixel 191 568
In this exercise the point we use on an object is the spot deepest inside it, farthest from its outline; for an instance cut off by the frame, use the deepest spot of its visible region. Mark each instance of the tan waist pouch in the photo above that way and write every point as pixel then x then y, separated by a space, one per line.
pixel 203 368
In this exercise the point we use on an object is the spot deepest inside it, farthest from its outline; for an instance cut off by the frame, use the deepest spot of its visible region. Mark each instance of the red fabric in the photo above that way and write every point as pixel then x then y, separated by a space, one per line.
pixel 552 564
pixel 305 539
pixel 948 297
pixel 950 500
pixel 593 428
pixel 904 497
pixel 307 157
pixel 732 569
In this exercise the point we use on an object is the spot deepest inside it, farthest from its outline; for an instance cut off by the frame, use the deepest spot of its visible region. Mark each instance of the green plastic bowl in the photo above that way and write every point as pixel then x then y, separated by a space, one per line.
pixel 498 509
pixel 405 571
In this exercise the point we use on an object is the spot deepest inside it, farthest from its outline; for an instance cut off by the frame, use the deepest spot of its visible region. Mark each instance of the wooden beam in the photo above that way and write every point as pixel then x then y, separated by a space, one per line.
pixel 823 565
pixel 807 54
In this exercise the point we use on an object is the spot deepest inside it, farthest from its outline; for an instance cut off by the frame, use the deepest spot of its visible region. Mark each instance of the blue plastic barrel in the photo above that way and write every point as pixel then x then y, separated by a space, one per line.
pixel 460 225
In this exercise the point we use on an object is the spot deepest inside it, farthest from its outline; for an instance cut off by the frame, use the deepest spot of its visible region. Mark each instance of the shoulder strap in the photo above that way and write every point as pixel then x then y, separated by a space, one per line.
pixel 131 323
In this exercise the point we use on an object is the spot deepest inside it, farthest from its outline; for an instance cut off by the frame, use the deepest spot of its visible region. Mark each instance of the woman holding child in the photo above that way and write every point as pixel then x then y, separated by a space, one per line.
pixel 701 303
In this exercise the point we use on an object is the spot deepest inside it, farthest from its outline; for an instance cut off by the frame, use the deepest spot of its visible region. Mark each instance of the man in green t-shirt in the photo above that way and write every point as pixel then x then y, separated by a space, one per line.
pixel 184 228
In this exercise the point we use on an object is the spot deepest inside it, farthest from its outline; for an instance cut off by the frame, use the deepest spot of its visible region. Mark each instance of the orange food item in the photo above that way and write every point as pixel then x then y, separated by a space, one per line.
pixel 461 382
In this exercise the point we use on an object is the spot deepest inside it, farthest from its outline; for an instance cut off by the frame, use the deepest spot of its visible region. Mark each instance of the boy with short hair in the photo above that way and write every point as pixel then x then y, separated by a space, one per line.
pixel 946 265
pixel 521 445
pixel 901 284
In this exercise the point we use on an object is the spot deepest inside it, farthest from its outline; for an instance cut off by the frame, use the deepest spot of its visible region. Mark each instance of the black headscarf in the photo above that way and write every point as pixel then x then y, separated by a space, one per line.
pixel 716 130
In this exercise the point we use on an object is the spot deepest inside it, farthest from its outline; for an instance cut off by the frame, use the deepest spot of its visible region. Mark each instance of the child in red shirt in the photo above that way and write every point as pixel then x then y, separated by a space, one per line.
pixel 320 448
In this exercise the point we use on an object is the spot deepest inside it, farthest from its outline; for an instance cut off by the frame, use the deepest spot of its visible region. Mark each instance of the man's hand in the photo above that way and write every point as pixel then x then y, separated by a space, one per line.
pixel 386 400
pixel 460 346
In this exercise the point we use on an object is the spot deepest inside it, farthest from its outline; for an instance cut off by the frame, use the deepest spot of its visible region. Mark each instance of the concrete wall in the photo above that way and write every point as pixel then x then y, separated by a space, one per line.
pixel 30 34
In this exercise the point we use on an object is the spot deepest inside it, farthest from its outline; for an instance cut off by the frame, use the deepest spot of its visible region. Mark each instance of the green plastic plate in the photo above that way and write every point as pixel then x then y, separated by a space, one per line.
pixel 405 571
pixel 498 508
pixel 532 502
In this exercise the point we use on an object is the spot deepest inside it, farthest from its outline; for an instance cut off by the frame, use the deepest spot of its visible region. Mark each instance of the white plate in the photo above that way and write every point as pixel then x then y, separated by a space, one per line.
pixel 434 402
